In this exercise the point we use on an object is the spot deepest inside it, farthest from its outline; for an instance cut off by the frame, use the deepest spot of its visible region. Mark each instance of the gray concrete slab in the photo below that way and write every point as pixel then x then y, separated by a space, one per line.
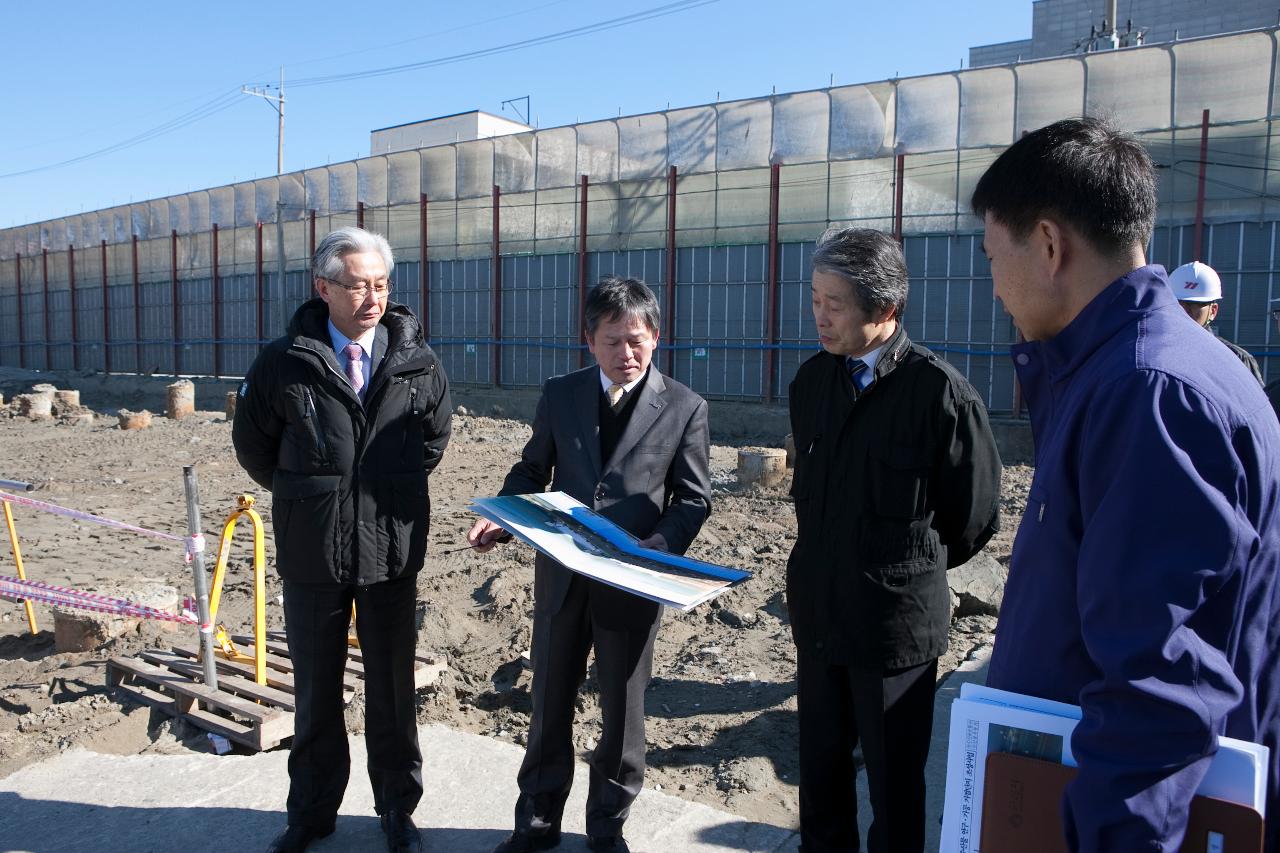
pixel 133 804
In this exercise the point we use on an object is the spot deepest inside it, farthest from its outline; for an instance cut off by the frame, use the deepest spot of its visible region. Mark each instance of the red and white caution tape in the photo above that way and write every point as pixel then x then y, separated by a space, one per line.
pixel 90 517
pixel 17 589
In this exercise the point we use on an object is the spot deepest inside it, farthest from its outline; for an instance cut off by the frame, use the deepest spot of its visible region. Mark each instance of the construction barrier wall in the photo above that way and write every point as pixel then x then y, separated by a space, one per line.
pixel 716 206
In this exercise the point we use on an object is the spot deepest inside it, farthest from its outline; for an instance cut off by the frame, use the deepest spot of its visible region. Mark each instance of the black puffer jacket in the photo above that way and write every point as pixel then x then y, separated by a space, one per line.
pixel 892 487
pixel 349 481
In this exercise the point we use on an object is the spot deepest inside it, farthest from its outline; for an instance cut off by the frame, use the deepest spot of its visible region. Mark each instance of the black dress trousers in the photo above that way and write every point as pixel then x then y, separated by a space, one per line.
pixel 890 712
pixel 317 616
pixel 624 662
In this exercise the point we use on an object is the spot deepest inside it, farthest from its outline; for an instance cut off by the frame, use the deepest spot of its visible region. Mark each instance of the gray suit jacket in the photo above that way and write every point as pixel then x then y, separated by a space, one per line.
pixel 656 482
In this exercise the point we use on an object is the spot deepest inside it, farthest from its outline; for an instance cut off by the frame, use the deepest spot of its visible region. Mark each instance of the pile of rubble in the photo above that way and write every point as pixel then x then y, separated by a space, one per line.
pixel 45 402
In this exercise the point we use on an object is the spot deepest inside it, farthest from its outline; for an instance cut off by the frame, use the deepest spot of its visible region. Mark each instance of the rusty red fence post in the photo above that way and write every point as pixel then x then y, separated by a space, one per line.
pixel 258 277
pixel 495 278
pixel 217 309
pixel 48 336
pixel 582 273
pixel 17 265
pixel 177 303
pixel 899 173
pixel 137 308
pixel 106 315
pixel 1197 253
pixel 71 267
pixel 672 176
pixel 771 289
pixel 424 272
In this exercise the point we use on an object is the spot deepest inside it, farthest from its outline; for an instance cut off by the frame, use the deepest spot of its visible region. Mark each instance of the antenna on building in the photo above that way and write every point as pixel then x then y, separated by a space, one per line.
pixel 512 103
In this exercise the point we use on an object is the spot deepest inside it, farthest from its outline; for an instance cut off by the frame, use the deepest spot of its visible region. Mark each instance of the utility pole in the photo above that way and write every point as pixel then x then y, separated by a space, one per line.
pixel 276 102
pixel 277 295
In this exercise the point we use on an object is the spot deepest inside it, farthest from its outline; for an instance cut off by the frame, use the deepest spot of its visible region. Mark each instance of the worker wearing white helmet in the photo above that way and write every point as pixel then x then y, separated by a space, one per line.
pixel 1199 291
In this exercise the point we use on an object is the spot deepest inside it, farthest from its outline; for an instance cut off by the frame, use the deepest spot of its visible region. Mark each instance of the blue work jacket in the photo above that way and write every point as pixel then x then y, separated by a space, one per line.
pixel 1143 584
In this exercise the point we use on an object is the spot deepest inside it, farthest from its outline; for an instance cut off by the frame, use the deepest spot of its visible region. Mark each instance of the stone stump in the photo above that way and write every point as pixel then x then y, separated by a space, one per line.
pixel 180 399
pixel 231 404
pixel 789 445
pixel 134 420
pixel 764 466
pixel 37 407
pixel 67 397
pixel 82 418
pixel 76 630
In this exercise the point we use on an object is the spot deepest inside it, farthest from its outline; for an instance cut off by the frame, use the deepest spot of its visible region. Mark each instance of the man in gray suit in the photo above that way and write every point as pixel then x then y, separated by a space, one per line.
pixel 633 445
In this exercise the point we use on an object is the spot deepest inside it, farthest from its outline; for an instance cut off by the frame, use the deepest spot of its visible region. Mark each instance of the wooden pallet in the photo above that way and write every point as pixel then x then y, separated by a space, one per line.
pixel 259 716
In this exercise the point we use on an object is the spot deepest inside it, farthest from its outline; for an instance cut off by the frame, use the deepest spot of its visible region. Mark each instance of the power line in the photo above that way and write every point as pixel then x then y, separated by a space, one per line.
pixel 549 38
pixel 205 110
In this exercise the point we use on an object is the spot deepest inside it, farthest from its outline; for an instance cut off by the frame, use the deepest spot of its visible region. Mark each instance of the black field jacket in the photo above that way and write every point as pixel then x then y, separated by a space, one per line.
pixel 348 481
pixel 893 486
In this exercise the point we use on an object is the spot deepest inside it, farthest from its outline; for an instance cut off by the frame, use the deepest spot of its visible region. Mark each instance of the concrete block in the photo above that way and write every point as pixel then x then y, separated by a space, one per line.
pixel 765 466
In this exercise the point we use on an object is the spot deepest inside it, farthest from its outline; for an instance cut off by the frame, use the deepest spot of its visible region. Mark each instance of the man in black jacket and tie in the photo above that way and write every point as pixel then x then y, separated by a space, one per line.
pixel 342 419
pixel 633 445
pixel 897 479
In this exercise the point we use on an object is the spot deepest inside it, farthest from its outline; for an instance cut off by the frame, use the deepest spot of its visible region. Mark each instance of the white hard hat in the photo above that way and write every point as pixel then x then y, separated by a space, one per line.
pixel 1195 282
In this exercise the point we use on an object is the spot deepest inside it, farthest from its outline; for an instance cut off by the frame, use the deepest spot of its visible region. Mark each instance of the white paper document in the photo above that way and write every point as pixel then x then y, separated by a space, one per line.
pixel 582 540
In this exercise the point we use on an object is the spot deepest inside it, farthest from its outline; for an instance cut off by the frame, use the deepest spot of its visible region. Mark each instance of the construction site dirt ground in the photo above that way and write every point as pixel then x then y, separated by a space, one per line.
pixel 722 727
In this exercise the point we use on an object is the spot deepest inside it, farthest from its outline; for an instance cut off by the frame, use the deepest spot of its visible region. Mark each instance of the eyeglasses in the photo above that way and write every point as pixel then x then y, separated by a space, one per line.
pixel 361 290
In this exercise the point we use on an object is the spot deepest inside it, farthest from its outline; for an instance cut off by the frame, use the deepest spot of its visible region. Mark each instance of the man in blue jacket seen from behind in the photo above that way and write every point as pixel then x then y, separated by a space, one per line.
pixel 1145 580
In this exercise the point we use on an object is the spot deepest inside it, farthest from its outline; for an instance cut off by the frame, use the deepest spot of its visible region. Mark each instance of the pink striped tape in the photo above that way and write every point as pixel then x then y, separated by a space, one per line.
pixel 17 589
pixel 85 516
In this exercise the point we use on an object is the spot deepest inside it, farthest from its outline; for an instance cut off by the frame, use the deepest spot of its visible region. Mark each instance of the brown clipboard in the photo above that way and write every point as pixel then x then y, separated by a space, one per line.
pixel 1022 812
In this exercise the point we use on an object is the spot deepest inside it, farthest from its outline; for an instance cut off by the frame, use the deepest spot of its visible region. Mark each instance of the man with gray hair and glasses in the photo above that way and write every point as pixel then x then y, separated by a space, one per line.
pixel 343 419
pixel 897 480
pixel 633 445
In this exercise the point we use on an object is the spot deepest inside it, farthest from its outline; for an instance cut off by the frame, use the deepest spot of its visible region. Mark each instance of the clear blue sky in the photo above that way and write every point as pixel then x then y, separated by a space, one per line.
pixel 80 77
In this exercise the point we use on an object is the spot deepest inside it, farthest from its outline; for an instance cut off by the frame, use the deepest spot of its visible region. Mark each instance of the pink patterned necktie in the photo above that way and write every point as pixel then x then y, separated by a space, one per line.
pixel 355 375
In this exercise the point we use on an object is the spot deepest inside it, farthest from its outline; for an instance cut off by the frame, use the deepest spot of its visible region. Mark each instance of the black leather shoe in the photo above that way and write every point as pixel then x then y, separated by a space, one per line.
pixel 521 842
pixel 607 844
pixel 296 837
pixel 402 835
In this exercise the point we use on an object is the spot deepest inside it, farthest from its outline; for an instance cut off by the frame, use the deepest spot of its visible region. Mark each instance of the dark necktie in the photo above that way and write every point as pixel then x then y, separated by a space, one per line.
pixel 855 366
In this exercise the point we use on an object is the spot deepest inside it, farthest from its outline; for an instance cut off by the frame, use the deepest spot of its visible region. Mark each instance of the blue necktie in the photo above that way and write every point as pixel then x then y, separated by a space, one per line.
pixel 855 366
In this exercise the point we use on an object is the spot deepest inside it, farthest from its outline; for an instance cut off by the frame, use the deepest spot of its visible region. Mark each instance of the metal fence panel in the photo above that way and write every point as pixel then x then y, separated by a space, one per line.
pixel 598 151
pixel 691 139
pixel 801 127
pixel 475 168
pixel 343 189
pixel 861 121
pixel 539 318
pixel 642 147
pixel 928 114
pixel 986 107
pixel 1203 67
pixel 1111 91
pixel 245 206
pixel 461 318
pixel 744 134
pixel 1048 91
